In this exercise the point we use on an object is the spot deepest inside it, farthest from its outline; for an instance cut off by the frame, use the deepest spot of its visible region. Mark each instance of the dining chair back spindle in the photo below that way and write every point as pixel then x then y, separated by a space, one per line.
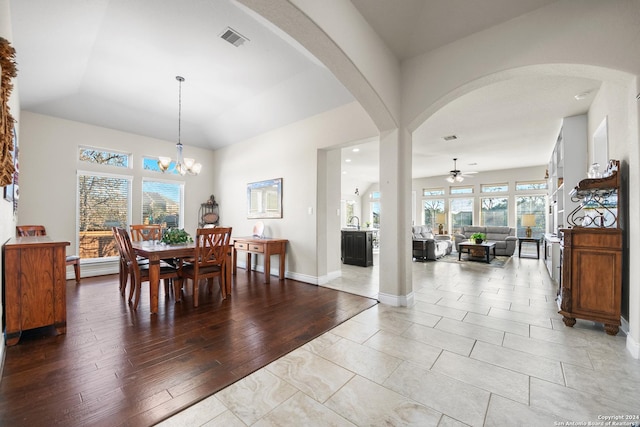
pixel 212 247
pixel 141 232
pixel 40 230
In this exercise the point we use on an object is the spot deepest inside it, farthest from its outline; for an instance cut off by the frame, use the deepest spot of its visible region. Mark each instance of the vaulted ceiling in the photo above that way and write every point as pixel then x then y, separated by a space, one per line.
pixel 113 63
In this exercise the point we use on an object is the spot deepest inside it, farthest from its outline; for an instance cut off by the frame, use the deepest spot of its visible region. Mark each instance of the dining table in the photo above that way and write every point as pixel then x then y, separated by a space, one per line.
pixel 156 251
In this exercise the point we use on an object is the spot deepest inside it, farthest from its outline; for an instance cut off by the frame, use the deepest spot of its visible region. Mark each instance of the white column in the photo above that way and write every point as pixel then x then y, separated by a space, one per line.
pixel 395 219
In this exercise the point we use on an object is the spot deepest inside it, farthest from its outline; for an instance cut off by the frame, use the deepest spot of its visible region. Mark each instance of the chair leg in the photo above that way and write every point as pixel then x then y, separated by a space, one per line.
pixel 177 289
pixel 195 292
pixel 76 268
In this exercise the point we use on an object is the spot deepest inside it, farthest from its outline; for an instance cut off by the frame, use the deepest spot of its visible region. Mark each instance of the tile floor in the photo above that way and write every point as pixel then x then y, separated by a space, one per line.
pixel 481 346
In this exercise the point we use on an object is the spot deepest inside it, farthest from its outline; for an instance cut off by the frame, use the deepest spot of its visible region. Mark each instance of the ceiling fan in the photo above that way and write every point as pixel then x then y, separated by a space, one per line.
pixel 455 175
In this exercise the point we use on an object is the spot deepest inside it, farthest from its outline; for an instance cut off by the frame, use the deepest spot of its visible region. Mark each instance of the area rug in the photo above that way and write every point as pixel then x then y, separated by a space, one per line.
pixel 497 262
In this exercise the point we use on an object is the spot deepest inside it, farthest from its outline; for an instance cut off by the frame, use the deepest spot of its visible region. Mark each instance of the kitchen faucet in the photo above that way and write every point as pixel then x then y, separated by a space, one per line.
pixel 351 221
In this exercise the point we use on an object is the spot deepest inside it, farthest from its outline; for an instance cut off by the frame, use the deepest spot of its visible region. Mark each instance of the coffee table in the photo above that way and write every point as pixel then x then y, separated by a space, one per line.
pixel 485 247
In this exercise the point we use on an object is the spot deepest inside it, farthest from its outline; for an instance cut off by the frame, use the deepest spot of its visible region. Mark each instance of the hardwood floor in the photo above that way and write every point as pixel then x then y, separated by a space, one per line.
pixel 115 366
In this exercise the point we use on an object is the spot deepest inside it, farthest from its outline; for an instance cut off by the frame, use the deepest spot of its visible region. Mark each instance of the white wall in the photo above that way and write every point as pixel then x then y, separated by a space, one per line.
pixel 290 153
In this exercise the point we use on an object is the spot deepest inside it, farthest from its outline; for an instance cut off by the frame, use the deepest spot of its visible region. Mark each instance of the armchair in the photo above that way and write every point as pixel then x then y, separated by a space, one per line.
pixel 427 246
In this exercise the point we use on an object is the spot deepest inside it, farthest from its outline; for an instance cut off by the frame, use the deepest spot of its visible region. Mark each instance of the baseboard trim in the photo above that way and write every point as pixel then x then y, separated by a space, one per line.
pixel 633 347
pixel 397 300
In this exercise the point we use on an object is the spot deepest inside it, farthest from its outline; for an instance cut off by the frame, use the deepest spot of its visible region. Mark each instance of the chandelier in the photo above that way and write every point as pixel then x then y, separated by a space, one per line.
pixel 183 165
pixel 455 175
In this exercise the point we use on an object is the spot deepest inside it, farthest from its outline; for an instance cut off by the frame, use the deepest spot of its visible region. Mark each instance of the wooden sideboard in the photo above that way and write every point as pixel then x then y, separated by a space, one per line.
pixel 592 276
pixel 35 282
pixel 266 246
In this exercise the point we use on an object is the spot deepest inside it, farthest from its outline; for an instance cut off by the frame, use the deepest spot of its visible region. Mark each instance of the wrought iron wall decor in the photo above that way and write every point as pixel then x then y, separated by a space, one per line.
pixel 598 200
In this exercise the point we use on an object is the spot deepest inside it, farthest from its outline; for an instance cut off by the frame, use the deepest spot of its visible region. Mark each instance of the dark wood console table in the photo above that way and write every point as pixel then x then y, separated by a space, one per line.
pixel 35 280
pixel 266 246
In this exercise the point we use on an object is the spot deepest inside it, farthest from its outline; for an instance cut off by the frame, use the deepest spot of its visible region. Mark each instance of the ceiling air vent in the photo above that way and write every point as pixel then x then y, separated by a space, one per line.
pixel 450 138
pixel 233 37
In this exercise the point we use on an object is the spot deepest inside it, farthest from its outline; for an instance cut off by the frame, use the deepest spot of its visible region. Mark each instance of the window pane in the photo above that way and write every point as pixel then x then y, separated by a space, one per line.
pixel 461 190
pixel 430 208
pixel 494 188
pixel 375 214
pixel 433 191
pixel 532 185
pixel 92 155
pixel 103 202
pixel 375 195
pixel 494 211
pixel 161 203
pixel 461 213
pixel 531 205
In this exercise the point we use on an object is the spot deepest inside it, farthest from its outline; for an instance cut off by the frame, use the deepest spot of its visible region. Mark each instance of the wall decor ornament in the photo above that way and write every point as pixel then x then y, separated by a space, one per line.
pixel 8 70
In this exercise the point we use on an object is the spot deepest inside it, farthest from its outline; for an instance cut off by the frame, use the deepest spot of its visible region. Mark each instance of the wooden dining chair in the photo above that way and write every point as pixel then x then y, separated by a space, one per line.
pixel 123 270
pixel 40 230
pixel 212 246
pixel 140 232
pixel 140 273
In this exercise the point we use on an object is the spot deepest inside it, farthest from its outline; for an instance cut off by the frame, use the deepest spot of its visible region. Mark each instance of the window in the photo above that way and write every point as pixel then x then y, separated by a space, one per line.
pixel 103 202
pixel 531 185
pixel 433 192
pixel 494 188
pixel 531 205
pixel 430 209
pixel 462 190
pixel 494 211
pixel 461 213
pixel 349 210
pixel 375 214
pixel 111 158
pixel 162 203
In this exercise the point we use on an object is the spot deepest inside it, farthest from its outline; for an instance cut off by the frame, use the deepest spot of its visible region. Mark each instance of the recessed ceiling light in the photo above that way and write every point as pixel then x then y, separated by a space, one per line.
pixel 472 164
pixel 450 138
pixel 582 95
pixel 355 150
pixel 344 172
pixel 347 160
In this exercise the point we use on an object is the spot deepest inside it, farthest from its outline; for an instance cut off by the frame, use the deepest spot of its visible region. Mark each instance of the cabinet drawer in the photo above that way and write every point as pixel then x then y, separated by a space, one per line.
pixel 256 247
pixel 241 246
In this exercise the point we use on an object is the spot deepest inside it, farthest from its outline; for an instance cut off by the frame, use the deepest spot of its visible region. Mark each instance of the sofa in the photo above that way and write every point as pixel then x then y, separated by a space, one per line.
pixel 505 237
pixel 429 246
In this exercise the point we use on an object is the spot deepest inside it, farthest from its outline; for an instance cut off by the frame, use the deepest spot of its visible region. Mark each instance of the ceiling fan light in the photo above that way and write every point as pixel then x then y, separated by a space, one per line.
pixel 459 178
pixel 451 179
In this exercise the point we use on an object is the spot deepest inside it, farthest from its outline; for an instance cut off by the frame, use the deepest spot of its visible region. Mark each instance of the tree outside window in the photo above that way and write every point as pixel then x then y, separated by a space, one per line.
pixel 430 208
pixel 103 202
pixel 461 213
pixel 494 211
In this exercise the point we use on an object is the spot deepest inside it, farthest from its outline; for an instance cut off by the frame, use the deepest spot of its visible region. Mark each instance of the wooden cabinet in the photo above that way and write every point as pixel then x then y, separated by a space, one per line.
pixel 591 285
pixel 357 247
pixel 592 276
pixel 34 285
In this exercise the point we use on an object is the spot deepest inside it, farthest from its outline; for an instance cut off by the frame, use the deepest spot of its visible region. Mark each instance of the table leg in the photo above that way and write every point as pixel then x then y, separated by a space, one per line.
pixel 227 272
pixel 487 253
pixel 154 284
pixel 235 261
pixel 282 259
pixel 267 267
pixel 459 252
pixel 248 262
pixel 538 249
